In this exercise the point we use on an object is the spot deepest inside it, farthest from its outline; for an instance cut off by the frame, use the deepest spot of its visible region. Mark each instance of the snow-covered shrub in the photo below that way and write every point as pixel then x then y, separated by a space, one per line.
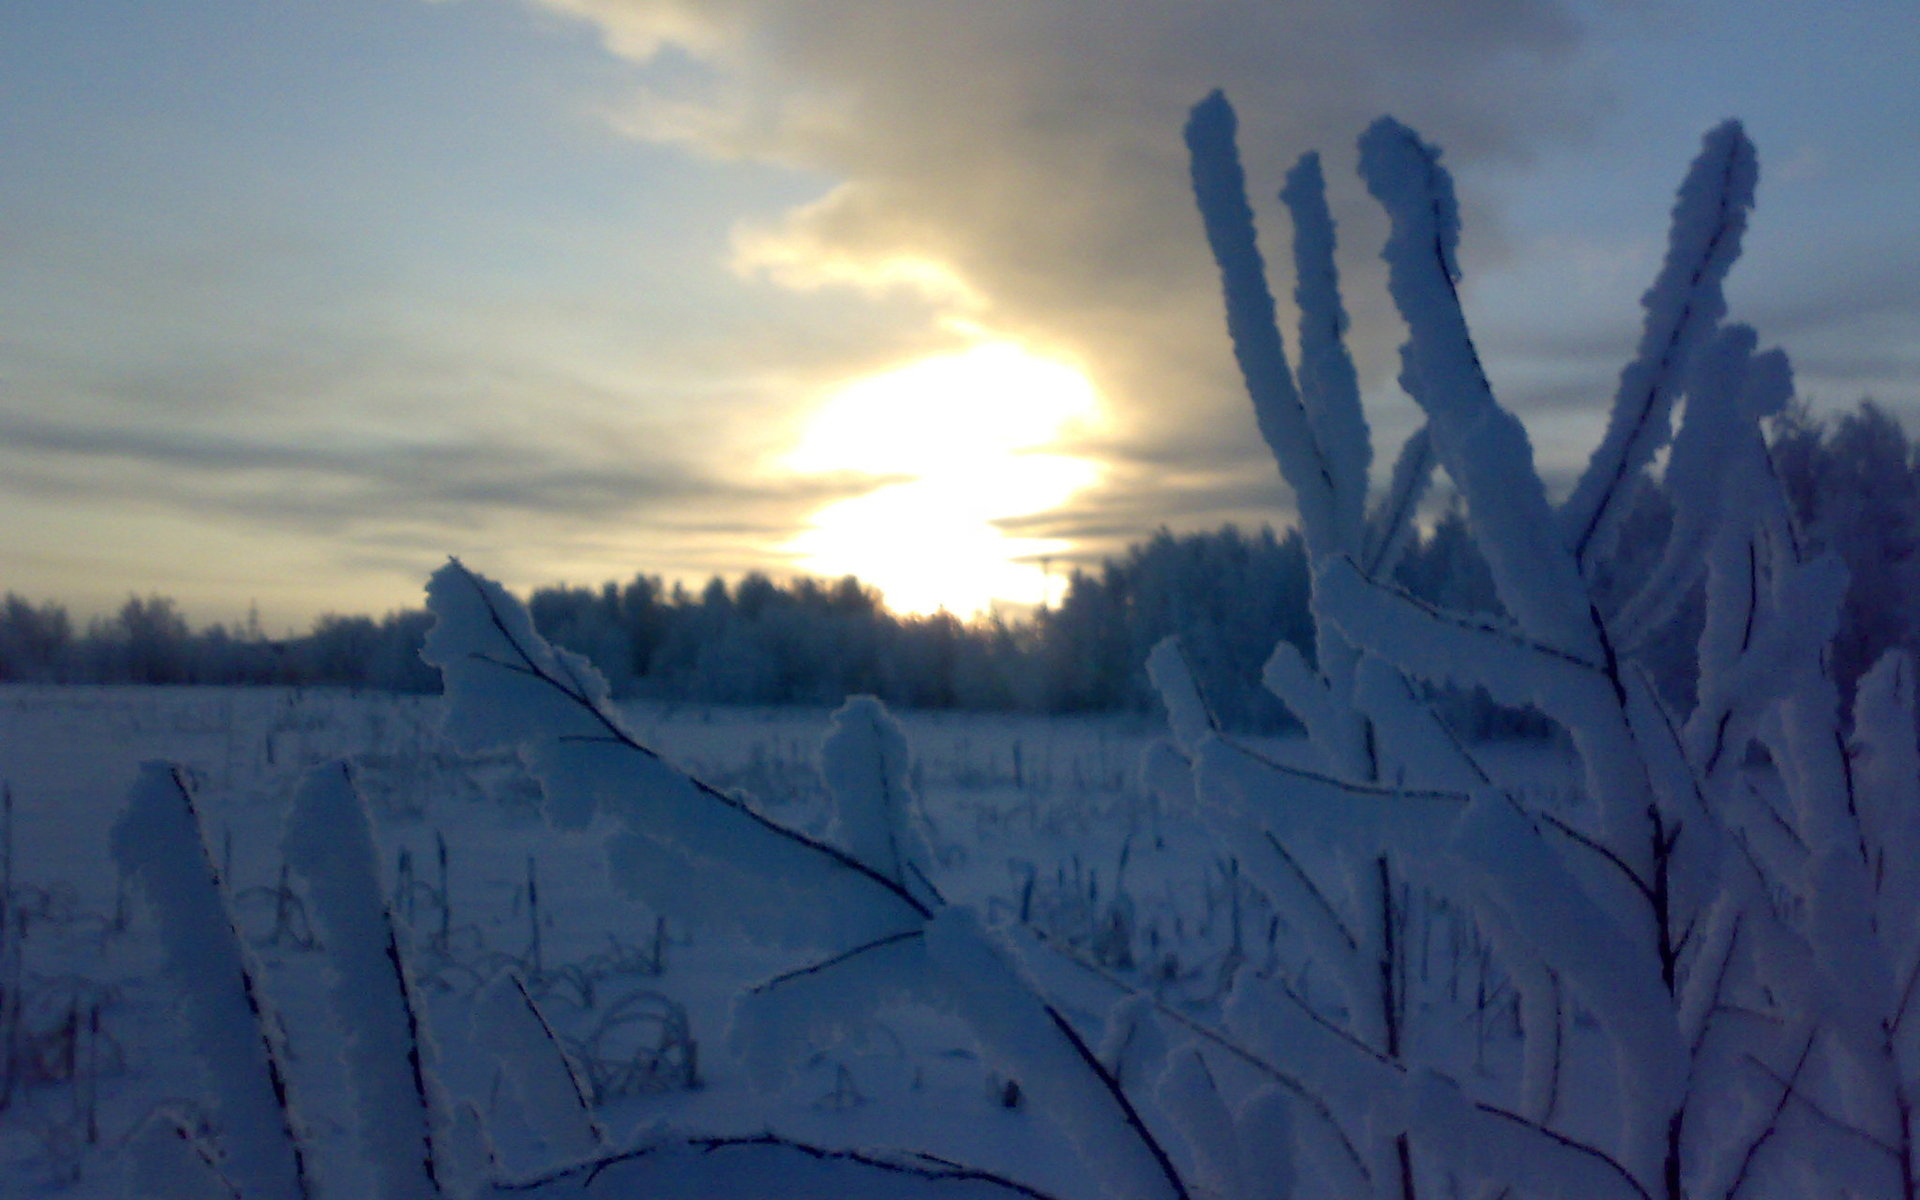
pixel 862 905
pixel 1734 936
pixel 419 1143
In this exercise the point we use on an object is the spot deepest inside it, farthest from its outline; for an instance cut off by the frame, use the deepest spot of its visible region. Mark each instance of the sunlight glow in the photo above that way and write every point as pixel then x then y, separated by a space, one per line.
pixel 969 432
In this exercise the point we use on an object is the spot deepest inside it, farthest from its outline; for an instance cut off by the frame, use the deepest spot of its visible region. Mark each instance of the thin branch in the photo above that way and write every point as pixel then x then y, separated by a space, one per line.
pixel 553 1044
pixel 1587 841
pixel 1773 1122
pixel 1410 476
pixel 1761 1016
pixel 1660 381
pixel 1719 740
pixel 1313 890
pixel 1491 1110
pixel 1471 625
pixel 922 1166
pixel 1289 1082
pixel 617 735
pixel 1132 1115
pixel 1719 987
pixel 1814 1106
pixel 1906 998
pixel 271 1049
pixel 416 1066
pixel 829 963
pixel 1679 746
pixel 1370 790
pixel 926 883
pixel 1299 1089
pixel 1559 1045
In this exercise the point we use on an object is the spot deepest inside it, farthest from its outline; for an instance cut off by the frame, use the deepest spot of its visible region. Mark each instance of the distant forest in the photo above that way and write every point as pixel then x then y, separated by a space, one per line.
pixel 1228 594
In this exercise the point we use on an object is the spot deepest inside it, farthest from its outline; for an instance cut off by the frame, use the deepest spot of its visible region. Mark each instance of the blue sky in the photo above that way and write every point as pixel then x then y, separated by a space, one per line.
pixel 297 298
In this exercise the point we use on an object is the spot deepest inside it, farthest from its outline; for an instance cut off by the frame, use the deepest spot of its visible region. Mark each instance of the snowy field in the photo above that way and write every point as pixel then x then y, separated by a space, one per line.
pixel 1041 818
pixel 1027 818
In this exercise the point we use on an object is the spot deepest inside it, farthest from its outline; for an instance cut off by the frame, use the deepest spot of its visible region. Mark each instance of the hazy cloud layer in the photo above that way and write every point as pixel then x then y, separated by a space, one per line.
pixel 1022 166
pixel 287 323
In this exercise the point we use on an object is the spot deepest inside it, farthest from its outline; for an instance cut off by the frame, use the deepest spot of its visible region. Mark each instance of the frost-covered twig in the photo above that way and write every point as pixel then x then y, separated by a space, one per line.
pixel 865 906
pixel 552 1097
pixel 158 841
pixel 1219 187
pixel 390 1059
pixel 479 626
pixel 743 1165
pixel 1683 307
pixel 1670 909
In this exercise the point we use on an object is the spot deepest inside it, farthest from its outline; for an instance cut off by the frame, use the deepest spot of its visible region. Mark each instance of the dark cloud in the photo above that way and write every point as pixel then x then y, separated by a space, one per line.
pixel 365 486
pixel 1105 523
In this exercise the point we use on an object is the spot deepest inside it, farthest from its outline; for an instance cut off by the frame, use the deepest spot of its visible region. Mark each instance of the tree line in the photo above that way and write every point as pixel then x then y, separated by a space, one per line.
pixel 1229 594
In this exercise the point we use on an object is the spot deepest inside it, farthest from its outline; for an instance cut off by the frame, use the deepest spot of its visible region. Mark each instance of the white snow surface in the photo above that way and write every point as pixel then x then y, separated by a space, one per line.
pixel 329 844
pixel 158 843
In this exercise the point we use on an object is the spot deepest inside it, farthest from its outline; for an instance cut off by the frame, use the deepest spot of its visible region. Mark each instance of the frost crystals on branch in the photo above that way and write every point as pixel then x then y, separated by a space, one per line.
pixel 1718 923
pixel 861 904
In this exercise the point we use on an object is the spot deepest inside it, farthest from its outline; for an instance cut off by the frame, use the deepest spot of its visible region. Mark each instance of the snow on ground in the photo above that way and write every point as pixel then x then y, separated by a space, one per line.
pixel 1027 818
pixel 1024 815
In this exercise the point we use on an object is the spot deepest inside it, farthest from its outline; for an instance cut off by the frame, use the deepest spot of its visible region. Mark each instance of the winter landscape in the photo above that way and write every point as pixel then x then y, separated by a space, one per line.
pixel 523 939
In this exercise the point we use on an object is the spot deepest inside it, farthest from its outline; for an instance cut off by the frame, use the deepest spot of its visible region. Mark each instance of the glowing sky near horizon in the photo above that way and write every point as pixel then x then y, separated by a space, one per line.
pixel 298 298
pixel 959 440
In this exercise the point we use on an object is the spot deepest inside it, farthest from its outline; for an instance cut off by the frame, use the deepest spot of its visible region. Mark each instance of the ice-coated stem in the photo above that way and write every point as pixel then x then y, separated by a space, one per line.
pixel 1329 387
pixel 1684 306
pixel 159 843
pixel 1220 188
pixel 390 1061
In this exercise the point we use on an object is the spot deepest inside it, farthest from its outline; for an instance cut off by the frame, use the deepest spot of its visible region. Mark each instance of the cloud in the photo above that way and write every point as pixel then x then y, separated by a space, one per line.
pixel 470 480
pixel 356 336
pixel 322 515
pixel 1021 164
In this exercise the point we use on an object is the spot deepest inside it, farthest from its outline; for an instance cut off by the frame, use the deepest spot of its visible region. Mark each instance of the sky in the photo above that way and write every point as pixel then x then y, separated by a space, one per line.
pixel 299 297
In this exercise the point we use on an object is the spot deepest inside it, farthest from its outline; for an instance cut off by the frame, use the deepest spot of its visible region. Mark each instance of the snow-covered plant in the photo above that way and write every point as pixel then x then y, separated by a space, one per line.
pixel 1732 933
pixel 403 1124
pixel 537 1072
pixel 1862 905
pixel 860 904
pixel 263 1155
pixel 416 1141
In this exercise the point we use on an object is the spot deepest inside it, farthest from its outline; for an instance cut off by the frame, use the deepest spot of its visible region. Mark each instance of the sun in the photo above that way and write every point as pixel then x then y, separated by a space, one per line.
pixel 967 437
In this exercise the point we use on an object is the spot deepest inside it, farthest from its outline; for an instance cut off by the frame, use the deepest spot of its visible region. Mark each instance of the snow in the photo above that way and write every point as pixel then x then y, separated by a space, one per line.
pixel 1172 678
pixel 1483 446
pixel 1220 188
pixel 554 1100
pixel 330 846
pixel 1683 306
pixel 1329 387
pixel 158 843
pixel 865 764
